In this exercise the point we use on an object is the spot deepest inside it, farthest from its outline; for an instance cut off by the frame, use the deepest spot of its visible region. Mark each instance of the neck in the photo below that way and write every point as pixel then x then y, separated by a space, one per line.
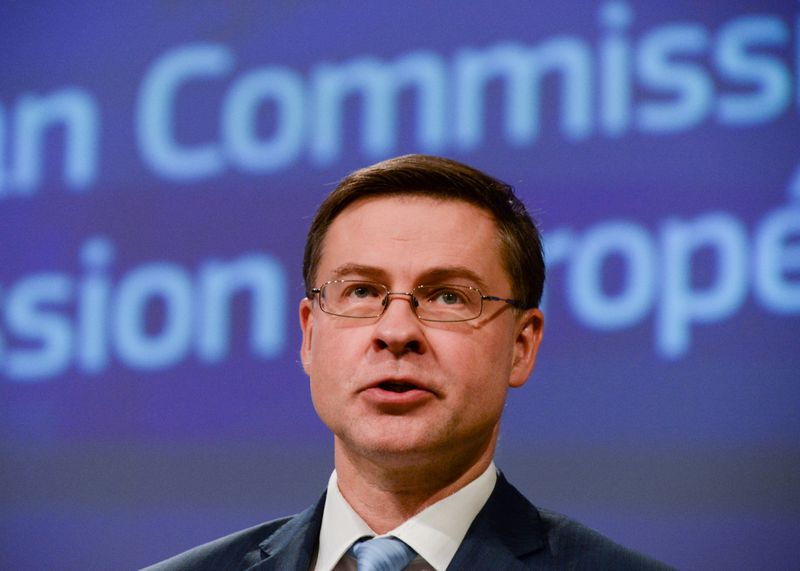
pixel 387 493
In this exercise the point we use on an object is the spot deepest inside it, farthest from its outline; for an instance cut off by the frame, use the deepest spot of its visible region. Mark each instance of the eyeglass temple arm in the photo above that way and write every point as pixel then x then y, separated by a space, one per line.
pixel 514 302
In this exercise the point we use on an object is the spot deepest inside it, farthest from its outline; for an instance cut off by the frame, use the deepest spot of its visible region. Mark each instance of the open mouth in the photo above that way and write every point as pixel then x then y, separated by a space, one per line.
pixel 396 386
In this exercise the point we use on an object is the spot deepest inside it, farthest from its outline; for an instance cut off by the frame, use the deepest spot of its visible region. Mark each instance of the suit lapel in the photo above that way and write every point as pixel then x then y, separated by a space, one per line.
pixel 505 530
pixel 292 546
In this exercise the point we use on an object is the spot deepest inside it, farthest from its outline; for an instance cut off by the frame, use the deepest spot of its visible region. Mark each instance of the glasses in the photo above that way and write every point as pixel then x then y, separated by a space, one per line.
pixel 441 302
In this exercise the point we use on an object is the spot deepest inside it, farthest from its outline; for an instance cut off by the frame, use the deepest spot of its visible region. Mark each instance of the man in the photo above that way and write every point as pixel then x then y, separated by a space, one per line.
pixel 422 277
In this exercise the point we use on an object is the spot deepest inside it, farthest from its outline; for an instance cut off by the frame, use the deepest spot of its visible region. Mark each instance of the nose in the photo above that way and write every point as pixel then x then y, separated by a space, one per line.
pixel 391 295
pixel 398 329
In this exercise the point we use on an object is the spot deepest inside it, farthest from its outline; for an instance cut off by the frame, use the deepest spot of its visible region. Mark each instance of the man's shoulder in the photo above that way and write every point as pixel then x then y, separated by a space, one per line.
pixel 284 543
pixel 575 545
pixel 512 530
pixel 240 546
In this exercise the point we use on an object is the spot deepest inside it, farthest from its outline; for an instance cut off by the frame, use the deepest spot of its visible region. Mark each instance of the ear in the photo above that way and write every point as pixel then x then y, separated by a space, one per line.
pixel 307 327
pixel 528 331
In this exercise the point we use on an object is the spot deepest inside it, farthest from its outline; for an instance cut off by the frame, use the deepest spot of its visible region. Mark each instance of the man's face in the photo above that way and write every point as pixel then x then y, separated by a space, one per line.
pixel 395 388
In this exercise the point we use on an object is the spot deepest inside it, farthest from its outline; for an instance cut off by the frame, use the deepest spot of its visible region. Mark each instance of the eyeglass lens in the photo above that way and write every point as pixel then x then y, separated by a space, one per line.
pixel 442 302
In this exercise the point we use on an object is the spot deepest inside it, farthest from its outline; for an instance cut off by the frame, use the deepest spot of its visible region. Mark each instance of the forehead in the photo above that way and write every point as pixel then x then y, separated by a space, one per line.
pixel 409 235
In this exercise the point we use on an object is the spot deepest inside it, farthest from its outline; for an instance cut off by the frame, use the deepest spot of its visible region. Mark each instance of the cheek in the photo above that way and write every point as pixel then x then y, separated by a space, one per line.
pixel 488 355
pixel 318 394
pixel 328 398
pixel 331 365
pixel 479 376
pixel 490 365
pixel 333 352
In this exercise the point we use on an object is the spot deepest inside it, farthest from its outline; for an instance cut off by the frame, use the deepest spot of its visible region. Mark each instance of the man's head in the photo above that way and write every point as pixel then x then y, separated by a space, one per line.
pixel 398 390
pixel 445 179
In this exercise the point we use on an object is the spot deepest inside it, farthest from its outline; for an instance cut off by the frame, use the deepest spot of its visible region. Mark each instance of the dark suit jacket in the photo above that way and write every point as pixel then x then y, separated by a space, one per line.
pixel 508 533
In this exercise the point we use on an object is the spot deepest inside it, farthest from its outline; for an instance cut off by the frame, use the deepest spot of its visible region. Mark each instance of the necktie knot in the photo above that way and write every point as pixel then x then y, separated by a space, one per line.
pixel 382 554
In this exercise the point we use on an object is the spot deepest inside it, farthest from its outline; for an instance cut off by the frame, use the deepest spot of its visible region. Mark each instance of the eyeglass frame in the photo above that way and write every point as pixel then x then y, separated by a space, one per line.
pixel 517 304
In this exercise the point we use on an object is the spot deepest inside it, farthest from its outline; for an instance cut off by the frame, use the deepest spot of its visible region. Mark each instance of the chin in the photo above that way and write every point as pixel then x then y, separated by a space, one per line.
pixel 398 445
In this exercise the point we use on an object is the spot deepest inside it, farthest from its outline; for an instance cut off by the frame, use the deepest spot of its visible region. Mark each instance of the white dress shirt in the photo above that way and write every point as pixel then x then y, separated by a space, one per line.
pixel 435 533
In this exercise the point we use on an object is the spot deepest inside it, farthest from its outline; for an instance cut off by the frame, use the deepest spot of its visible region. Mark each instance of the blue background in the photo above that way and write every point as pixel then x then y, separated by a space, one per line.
pixel 136 422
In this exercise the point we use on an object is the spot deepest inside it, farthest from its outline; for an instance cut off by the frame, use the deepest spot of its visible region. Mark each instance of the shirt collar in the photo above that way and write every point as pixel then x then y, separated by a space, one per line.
pixel 435 533
pixel 341 527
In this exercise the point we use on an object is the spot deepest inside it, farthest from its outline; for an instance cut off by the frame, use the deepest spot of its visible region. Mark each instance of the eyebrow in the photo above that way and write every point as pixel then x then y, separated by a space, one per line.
pixel 435 275
pixel 444 273
pixel 346 270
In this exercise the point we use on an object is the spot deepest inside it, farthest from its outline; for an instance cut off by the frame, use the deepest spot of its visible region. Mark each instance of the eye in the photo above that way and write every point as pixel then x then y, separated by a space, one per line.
pixel 361 290
pixel 447 296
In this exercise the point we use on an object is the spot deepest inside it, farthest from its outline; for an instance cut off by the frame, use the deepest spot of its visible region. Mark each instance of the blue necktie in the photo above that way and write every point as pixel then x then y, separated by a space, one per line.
pixel 382 554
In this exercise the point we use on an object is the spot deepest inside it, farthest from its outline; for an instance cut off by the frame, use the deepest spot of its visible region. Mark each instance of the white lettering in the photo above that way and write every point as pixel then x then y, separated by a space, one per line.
pixel 615 81
pixel 683 304
pixel 155 112
pixel 77 112
pixel 379 84
pixel 30 320
pixel 150 319
pixel 777 260
pixel 94 295
pixel 585 276
pixel 239 119
pixel 135 345
pixel 524 69
pixel 767 73
pixel 262 278
pixel 660 73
